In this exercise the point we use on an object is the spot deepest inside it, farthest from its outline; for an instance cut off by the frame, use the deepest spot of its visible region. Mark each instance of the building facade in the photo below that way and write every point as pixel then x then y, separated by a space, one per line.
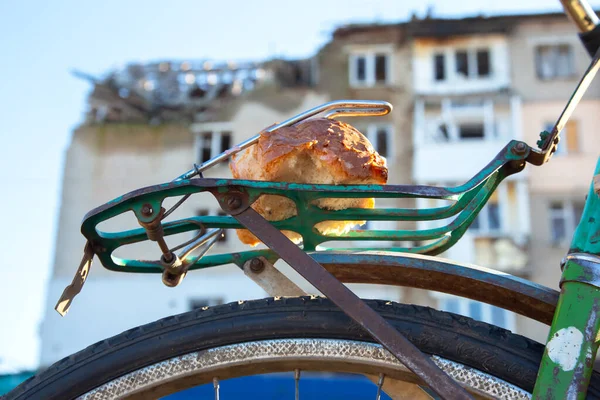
pixel 461 89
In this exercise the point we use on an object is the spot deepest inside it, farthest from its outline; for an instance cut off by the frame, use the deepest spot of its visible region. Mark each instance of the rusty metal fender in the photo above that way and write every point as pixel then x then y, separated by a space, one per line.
pixel 433 273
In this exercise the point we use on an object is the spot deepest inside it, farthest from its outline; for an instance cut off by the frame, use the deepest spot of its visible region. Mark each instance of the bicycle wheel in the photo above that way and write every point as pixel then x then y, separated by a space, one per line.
pixel 285 334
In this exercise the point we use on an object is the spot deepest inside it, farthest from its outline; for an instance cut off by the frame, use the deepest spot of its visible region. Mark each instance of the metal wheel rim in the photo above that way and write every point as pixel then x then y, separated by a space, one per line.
pixel 284 355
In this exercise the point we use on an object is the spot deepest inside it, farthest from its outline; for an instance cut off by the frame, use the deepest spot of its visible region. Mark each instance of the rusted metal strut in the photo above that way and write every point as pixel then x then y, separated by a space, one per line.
pixel 237 204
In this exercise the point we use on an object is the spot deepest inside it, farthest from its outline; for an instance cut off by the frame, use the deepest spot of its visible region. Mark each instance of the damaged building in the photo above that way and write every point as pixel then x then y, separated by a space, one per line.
pixel 461 89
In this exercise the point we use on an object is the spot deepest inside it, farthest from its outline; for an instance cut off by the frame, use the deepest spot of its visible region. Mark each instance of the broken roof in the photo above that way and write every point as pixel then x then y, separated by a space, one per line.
pixel 439 27
pixel 182 90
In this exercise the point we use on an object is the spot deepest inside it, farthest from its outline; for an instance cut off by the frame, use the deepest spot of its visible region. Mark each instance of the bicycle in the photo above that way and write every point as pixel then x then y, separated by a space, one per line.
pixel 407 350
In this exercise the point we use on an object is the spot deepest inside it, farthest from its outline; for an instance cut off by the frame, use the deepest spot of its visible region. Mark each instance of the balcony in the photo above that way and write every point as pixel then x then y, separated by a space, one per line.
pixel 454 138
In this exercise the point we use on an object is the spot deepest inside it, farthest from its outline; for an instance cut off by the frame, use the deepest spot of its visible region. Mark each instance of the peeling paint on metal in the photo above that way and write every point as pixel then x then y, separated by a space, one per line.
pixel 564 347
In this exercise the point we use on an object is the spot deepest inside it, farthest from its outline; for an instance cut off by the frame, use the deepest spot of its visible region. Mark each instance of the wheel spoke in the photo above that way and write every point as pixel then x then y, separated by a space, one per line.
pixel 217 387
pixel 379 385
pixel 297 383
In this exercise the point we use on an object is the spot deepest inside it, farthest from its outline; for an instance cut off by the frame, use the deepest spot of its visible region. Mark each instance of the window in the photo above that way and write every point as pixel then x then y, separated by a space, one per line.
pixel 380 68
pixel 471 131
pixel 206 147
pixel 483 63
pixel 564 217
pixel 488 220
pixel 462 63
pixel 382 141
pixel 370 69
pixel 225 141
pixel 478 311
pixel 468 64
pixel 361 69
pixel 211 144
pixel 439 67
pixel 554 61
pixel 380 137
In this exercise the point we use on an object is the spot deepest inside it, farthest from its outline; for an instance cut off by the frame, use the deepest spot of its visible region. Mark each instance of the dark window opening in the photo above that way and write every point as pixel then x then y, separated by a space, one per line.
pixel 475 225
pixel 380 68
pixel 361 69
pixel 470 131
pixel 197 93
pixel 224 91
pixel 206 148
pixel 444 131
pixel 439 69
pixel 225 141
pixel 483 63
pixel 462 63
pixel 493 216
pixel 382 142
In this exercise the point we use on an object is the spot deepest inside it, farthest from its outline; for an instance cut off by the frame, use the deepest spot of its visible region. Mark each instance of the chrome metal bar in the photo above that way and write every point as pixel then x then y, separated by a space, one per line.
pixel 270 279
pixel 580 12
pixel 548 147
pixel 379 385
pixel 297 383
pixel 210 238
pixel 199 242
pixel 217 387
pixel 339 108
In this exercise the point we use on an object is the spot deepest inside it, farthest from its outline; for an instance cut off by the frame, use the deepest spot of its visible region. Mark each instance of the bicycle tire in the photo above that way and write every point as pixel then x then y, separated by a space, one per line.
pixel 495 351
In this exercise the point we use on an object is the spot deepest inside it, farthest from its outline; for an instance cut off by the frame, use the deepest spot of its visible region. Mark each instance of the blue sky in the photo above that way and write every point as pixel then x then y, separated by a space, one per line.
pixel 40 102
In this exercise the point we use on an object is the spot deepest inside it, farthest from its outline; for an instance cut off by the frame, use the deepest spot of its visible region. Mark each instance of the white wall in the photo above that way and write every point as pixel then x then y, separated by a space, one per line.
pixel 454 162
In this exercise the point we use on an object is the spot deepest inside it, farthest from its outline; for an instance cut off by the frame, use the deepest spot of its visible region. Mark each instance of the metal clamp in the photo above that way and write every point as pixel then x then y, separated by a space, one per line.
pixel 581 267
pixel 177 268
pixel 63 304
pixel 549 140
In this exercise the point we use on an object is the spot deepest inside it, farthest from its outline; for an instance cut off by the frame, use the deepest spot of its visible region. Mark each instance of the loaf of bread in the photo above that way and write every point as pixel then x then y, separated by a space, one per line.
pixel 319 151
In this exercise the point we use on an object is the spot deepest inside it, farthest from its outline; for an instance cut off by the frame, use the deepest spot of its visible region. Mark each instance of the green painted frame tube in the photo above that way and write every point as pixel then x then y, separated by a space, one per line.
pixel 568 359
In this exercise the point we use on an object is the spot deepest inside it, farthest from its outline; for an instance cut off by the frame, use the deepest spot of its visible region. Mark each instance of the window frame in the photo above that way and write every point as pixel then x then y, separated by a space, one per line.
pixel 217 140
pixel 555 47
pixel 499 199
pixel 450 58
pixel 371 134
pixel 370 54
pixel 567 213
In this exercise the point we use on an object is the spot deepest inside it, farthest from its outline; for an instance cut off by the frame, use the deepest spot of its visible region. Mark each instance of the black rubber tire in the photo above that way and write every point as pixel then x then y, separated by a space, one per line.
pixel 485 347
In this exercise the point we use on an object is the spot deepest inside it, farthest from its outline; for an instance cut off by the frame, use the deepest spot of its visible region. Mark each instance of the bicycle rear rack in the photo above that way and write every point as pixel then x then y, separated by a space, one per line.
pixel 465 202
pixel 236 197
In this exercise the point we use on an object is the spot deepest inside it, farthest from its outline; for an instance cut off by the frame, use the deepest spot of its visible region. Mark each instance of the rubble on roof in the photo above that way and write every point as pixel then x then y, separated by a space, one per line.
pixel 431 26
pixel 183 91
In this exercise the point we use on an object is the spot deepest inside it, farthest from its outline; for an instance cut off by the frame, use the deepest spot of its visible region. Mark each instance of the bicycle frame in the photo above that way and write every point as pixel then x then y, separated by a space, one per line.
pixel 572 343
